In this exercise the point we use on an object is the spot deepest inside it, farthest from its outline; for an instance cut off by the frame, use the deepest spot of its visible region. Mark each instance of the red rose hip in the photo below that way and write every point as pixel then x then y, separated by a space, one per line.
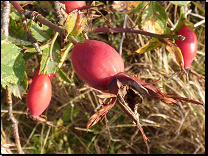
pixel 188 46
pixel 96 63
pixel 39 95
pixel 72 5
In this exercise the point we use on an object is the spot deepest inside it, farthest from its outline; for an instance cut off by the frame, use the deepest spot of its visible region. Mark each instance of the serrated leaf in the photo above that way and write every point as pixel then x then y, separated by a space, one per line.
pixel 41 33
pixel 175 52
pixel 17 28
pixel 51 66
pixel 19 89
pixel 17 33
pixel 15 15
pixel 180 3
pixel 71 20
pixel 152 44
pixel 64 77
pixel 13 71
pixel 125 6
pixel 154 18
pixel 12 64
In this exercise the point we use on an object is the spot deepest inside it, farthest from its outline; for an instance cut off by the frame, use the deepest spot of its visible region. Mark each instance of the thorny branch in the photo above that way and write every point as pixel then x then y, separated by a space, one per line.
pixel 13 120
pixel 60 17
pixel 5 18
pixel 5 31
pixel 36 17
pixel 134 30
pixel 24 22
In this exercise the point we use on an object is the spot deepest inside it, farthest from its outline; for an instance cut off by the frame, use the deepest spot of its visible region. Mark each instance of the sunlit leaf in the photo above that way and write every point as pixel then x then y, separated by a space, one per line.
pixel 175 52
pixel 71 21
pixel 51 66
pixel 64 76
pixel 152 44
pixel 80 23
pixel 12 68
pixel 154 18
pixel 41 33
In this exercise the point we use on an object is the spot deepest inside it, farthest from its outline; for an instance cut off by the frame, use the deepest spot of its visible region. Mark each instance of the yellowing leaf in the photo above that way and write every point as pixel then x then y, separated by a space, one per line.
pixel 125 6
pixel 152 44
pixel 71 21
pixel 175 51
pixel 152 26
pixel 154 18
pixel 80 23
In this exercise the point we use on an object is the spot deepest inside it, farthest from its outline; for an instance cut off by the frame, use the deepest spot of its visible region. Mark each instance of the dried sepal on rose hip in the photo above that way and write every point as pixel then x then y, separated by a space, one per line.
pixel 102 67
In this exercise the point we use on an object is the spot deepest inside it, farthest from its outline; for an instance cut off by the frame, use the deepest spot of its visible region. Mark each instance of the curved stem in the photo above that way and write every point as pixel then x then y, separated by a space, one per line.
pixel 133 30
pixel 72 39
pixel 51 47
pixel 64 55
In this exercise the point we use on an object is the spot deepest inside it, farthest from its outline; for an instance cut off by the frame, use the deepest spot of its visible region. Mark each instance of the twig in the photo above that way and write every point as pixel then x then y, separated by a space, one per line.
pixel 134 30
pixel 24 22
pixel 5 18
pixel 123 35
pixel 5 31
pixel 38 17
pixel 57 7
pixel 13 120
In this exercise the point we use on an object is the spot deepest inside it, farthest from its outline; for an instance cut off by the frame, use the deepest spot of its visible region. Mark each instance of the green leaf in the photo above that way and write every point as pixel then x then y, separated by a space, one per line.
pixel 41 33
pixel 64 77
pixel 13 71
pixel 152 44
pixel 19 89
pixel 15 15
pixel 17 28
pixel 139 6
pixel 183 21
pixel 154 18
pixel 17 33
pixel 51 66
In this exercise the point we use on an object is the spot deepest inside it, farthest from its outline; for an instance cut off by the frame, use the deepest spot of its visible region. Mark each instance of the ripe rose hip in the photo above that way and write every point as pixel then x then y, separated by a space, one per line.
pixel 96 63
pixel 72 5
pixel 39 95
pixel 188 46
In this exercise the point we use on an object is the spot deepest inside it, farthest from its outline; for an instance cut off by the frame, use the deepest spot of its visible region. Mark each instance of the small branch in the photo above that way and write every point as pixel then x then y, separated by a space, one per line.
pixel 59 13
pixel 24 22
pixel 123 35
pixel 133 30
pixel 72 39
pixel 13 121
pixel 5 18
pixel 38 17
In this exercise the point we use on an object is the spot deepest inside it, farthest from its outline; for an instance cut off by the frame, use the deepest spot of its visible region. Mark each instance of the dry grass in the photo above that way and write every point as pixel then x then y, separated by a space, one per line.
pixel 170 129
